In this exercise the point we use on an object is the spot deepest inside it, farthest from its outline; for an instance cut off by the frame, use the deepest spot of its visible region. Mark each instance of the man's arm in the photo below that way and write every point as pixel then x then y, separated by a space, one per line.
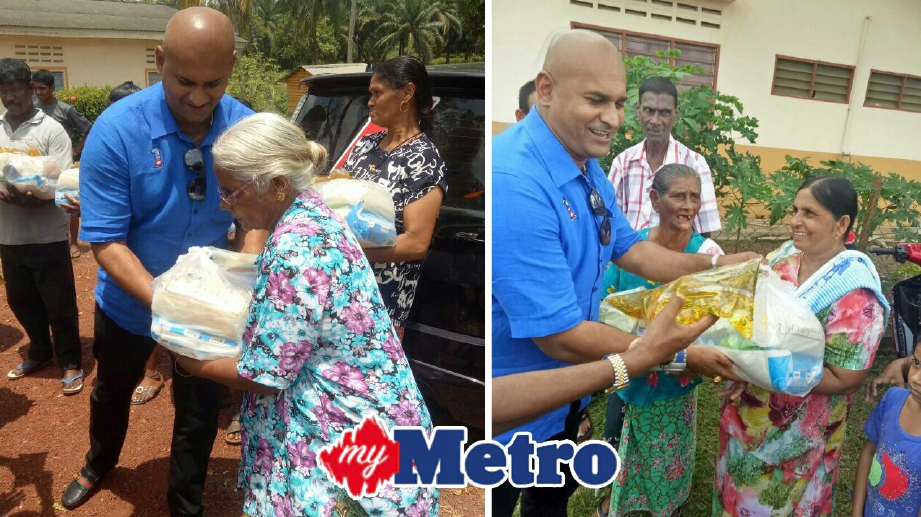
pixel 526 396
pixel 125 269
pixel 648 260
pixel 708 217
pixel 82 125
pixel 59 146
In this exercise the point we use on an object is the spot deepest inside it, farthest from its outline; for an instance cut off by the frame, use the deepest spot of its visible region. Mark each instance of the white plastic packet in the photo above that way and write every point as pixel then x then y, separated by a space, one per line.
pixel 35 174
pixel 787 349
pixel 68 183
pixel 787 346
pixel 201 304
pixel 366 207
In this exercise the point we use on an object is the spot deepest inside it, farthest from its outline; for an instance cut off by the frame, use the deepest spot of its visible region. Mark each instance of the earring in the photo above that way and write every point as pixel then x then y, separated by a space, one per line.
pixel 402 105
pixel 280 196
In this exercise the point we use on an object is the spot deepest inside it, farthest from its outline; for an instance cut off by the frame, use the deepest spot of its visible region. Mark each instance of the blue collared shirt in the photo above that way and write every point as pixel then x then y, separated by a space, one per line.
pixel 547 260
pixel 133 188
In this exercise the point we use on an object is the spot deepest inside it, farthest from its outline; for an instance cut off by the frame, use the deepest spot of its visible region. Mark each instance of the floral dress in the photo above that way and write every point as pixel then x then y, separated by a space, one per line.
pixel 657 434
pixel 318 332
pixel 410 171
pixel 778 454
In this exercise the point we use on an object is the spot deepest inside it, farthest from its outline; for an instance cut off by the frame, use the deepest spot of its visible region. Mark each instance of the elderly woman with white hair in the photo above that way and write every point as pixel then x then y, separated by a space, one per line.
pixel 319 350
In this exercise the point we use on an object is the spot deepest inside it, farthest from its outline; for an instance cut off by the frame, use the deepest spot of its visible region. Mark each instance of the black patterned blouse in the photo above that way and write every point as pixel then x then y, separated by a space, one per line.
pixel 410 171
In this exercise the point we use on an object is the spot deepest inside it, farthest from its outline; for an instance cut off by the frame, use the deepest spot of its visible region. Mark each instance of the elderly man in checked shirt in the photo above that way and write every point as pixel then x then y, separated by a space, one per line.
pixel 633 170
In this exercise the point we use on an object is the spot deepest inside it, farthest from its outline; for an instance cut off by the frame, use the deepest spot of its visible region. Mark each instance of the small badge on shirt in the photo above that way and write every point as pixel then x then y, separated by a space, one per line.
pixel 158 159
pixel 572 215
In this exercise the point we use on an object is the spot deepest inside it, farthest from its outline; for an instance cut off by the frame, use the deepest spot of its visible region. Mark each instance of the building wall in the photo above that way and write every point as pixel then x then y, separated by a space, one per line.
pixel 751 34
pixel 94 62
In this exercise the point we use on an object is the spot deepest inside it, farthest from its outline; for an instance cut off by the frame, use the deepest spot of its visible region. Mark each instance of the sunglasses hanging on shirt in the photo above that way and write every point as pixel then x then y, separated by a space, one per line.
pixel 195 161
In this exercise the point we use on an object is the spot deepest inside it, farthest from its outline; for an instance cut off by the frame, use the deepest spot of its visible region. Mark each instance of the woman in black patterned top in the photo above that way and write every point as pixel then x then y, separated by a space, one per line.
pixel 404 160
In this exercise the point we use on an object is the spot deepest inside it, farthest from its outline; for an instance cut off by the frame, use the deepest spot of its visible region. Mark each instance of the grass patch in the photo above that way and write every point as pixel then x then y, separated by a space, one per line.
pixel 584 502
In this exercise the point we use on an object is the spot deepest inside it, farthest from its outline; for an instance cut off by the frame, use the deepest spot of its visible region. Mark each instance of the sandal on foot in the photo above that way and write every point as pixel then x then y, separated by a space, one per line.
pixel 144 394
pixel 599 512
pixel 23 369
pixel 233 437
pixel 73 385
pixel 587 433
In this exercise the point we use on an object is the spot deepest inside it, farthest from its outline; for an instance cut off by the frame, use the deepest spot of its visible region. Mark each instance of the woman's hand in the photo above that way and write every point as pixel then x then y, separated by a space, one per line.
pixel 72 206
pixel 893 374
pixel 708 361
pixel 733 389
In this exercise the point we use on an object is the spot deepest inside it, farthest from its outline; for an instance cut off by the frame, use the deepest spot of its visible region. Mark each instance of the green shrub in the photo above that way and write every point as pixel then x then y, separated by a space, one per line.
pixel 255 80
pixel 90 101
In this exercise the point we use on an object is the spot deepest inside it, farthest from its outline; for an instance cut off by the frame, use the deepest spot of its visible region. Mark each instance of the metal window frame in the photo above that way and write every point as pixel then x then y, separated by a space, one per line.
pixel 815 65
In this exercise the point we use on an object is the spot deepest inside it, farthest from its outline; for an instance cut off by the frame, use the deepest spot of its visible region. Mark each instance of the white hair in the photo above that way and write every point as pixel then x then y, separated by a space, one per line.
pixel 265 146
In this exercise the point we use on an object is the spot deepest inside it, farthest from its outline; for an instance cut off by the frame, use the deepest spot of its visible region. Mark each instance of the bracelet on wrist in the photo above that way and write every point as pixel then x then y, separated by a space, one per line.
pixel 621 377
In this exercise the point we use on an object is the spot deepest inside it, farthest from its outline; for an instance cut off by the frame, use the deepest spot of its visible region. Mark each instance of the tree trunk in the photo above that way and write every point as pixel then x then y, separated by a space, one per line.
pixel 352 16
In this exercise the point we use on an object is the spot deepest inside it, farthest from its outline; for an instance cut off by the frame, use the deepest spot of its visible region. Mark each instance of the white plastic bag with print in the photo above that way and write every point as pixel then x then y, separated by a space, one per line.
pixel 787 347
pixel 200 305
pixel 366 207
pixel 30 174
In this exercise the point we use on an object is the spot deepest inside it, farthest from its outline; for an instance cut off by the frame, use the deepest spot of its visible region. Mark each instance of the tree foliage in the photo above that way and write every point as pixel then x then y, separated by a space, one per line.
pixel 255 80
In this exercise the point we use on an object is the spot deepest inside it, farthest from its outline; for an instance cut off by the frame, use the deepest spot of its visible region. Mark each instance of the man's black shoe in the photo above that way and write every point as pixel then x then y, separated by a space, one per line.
pixel 78 491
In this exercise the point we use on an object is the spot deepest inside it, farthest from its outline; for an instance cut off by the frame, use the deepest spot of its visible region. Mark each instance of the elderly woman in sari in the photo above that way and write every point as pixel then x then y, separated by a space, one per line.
pixel 779 454
pixel 656 477
pixel 319 351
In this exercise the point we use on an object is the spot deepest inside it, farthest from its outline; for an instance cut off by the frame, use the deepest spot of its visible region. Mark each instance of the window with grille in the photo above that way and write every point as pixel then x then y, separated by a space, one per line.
pixel 805 79
pixel 701 55
pixel 153 77
pixel 893 91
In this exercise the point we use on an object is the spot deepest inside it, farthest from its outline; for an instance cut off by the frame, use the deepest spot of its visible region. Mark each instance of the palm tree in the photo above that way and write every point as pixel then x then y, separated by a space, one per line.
pixel 416 24
pixel 353 15
pixel 309 13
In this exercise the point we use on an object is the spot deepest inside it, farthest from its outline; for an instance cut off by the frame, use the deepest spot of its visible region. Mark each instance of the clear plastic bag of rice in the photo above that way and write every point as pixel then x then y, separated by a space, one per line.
pixel 201 304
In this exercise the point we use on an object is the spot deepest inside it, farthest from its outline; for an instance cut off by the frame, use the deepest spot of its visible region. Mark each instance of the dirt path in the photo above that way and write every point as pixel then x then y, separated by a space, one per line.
pixel 44 436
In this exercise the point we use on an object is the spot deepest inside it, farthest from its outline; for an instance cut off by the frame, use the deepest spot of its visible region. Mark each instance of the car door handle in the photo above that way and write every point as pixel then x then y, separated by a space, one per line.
pixel 469 236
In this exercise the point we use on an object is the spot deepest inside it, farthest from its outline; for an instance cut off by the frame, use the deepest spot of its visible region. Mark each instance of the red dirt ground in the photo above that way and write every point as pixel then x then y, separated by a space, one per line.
pixel 44 436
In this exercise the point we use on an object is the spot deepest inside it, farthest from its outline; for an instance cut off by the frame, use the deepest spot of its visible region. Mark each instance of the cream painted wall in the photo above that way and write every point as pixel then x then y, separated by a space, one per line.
pixel 752 33
pixel 95 62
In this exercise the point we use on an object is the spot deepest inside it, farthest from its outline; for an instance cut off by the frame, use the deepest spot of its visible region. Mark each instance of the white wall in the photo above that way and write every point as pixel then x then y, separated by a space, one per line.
pixel 752 33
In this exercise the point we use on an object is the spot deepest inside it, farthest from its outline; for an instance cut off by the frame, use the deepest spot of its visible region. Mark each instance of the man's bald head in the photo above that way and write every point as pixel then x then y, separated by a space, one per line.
pixel 201 30
pixel 195 62
pixel 572 50
pixel 581 92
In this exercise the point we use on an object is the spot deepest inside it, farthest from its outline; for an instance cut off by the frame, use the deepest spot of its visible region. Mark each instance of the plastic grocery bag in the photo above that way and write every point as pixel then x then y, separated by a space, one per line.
pixel 201 304
pixel 366 207
pixel 68 183
pixel 775 341
pixel 35 174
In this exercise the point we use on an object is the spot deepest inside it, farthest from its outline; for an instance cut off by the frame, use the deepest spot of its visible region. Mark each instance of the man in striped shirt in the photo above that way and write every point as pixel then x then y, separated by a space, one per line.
pixel 633 170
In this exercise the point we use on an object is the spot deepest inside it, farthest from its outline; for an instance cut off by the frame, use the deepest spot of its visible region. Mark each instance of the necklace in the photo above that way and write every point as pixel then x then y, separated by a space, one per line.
pixel 386 154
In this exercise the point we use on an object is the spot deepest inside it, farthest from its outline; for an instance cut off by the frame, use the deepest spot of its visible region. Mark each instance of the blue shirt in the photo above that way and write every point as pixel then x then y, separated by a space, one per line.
pixel 547 259
pixel 133 189
pixel 894 483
